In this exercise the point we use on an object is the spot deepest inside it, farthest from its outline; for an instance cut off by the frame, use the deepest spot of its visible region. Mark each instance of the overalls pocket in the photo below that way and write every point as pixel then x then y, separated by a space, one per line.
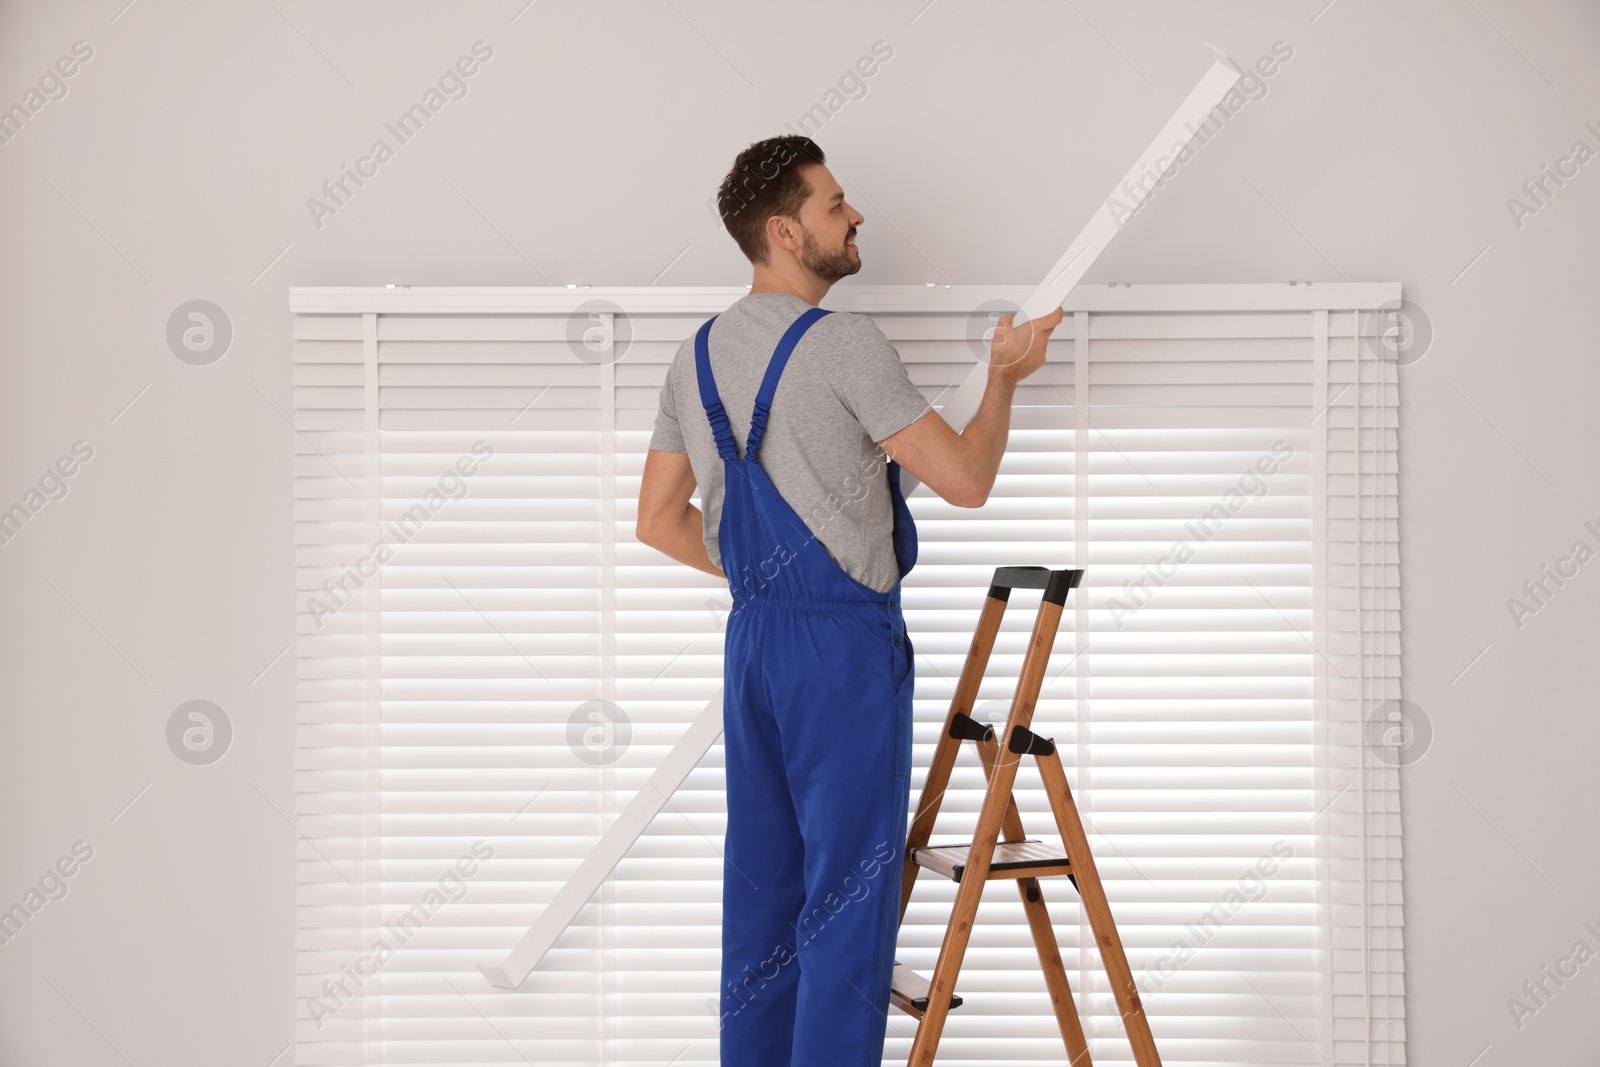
pixel 905 679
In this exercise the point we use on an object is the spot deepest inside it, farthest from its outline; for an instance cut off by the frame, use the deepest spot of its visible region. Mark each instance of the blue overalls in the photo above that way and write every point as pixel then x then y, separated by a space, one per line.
pixel 817 692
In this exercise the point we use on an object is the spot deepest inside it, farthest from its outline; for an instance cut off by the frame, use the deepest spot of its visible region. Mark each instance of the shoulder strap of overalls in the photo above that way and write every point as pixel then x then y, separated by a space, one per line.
pixel 712 400
pixel 708 393
pixel 769 384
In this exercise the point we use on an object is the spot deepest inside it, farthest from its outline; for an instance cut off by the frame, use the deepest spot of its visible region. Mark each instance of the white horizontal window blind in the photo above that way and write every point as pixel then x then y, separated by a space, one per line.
pixel 491 668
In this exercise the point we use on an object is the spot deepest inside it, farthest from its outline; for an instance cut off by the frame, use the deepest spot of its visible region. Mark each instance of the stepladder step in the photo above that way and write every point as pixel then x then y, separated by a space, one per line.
pixel 1030 858
pixel 909 991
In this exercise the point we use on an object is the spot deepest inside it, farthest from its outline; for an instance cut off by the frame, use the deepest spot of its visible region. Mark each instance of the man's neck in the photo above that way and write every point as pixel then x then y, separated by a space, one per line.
pixel 810 289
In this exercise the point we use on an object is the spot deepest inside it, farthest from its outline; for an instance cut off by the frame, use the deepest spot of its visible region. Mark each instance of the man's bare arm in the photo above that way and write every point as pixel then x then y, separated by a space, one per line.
pixel 961 467
pixel 667 521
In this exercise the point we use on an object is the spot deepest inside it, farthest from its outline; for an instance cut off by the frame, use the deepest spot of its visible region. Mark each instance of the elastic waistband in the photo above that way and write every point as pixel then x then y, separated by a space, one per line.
pixel 890 605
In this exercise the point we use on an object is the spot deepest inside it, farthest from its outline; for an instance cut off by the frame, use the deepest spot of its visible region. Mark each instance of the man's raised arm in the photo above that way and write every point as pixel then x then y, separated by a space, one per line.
pixel 961 467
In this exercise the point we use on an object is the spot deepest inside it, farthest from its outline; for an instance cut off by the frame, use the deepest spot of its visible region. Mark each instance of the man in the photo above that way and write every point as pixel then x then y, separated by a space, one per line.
pixel 810 528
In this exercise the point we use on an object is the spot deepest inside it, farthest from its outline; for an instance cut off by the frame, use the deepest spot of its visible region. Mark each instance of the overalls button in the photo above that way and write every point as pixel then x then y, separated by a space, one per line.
pixel 897 640
pixel 891 602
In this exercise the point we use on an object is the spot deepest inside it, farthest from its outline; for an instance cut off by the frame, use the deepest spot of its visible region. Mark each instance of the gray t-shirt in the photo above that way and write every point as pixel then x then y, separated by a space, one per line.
pixel 843 390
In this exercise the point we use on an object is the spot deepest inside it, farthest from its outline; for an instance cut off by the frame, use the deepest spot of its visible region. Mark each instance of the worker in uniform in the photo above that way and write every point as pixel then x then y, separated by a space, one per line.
pixel 793 421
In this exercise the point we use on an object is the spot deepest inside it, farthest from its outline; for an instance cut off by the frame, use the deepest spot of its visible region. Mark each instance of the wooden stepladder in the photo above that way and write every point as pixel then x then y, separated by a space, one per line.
pixel 1015 856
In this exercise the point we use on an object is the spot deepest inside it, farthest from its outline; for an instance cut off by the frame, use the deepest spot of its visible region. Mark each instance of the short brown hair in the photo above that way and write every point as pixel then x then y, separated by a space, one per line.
pixel 765 181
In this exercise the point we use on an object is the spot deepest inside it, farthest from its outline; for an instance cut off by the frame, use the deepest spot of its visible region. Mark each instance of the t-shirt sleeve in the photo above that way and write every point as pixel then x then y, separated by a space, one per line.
pixel 668 435
pixel 872 383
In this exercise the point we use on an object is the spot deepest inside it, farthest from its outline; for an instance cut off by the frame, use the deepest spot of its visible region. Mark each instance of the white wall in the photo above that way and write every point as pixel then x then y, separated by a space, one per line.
pixel 178 167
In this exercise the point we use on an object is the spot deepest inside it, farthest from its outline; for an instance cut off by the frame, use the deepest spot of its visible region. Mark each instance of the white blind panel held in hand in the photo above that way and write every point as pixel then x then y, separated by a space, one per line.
pixel 1127 197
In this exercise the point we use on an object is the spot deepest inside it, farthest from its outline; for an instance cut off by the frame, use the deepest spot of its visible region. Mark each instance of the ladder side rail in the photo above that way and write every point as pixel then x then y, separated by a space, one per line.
pixel 1093 894
pixel 944 753
pixel 1042 930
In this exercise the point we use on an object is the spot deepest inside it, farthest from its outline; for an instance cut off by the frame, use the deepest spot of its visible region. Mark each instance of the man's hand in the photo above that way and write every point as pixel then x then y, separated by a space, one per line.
pixel 1017 353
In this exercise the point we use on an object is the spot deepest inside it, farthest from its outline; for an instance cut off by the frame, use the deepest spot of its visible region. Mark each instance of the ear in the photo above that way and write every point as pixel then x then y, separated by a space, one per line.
pixel 781 233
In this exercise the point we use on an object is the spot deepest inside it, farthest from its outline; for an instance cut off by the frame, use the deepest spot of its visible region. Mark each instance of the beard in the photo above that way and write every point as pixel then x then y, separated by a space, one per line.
pixel 829 266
